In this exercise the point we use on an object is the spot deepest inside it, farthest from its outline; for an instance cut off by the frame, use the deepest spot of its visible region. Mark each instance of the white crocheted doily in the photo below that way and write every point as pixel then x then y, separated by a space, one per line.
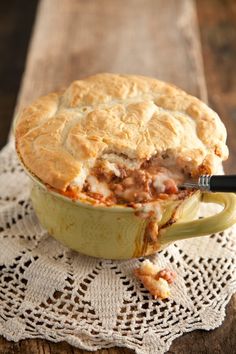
pixel 48 291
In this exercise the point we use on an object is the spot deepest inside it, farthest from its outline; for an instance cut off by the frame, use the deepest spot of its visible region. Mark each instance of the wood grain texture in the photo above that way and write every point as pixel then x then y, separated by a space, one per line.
pixel 39 346
pixel 76 38
pixel 218 24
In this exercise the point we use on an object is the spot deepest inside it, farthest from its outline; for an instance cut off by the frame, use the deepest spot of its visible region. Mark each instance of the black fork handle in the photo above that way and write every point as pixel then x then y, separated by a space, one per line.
pixel 223 183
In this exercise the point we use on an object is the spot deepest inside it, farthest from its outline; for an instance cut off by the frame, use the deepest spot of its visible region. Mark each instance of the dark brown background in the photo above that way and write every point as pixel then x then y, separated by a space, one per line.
pixel 217 20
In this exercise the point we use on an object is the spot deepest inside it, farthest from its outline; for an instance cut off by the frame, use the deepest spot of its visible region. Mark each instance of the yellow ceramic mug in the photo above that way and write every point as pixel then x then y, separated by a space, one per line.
pixel 116 232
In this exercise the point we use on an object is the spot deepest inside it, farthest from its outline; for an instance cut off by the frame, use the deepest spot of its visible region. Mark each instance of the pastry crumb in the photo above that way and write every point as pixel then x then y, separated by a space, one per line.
pixel 157 281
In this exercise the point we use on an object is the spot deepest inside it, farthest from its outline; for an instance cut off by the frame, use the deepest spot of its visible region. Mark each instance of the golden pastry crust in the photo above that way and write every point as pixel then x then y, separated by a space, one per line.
pixel 139 117
pixel 155 280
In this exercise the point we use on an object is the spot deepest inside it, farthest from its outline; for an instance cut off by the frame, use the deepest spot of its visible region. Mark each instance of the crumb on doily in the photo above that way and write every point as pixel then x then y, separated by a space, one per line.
pixel 157 281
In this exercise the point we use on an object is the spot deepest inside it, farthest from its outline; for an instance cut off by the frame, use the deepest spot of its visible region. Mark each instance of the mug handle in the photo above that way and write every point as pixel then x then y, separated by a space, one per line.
pixel 205 226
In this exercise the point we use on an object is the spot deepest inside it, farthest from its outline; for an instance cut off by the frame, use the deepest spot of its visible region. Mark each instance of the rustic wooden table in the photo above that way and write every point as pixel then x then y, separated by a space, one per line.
pixel 73 38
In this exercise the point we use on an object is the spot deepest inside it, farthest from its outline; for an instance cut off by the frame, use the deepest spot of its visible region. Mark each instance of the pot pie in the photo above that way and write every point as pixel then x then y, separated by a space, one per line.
pixel 120 140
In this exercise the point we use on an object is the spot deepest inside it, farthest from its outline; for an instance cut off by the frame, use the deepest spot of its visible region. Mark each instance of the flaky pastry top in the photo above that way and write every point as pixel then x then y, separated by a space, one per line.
pixel 136 117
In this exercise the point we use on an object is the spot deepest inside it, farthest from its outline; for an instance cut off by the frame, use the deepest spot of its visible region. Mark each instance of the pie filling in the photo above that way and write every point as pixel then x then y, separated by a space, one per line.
pixel 117 180
pixel 157 281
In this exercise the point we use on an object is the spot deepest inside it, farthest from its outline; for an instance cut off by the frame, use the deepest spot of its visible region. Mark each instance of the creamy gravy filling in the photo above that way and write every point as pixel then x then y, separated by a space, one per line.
pixel 115 179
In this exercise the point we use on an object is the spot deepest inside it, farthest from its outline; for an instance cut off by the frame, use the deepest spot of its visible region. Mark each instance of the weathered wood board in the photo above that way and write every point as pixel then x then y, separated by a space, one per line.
pixel 76 38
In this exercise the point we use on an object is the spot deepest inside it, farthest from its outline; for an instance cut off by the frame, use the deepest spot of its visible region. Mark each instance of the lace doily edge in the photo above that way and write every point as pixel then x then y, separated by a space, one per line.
pixel 113 340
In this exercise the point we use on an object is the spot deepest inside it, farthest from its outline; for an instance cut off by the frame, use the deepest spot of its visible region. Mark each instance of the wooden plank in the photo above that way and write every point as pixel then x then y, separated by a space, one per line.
pixel 76 38
pixel 39 346
pixel 218 24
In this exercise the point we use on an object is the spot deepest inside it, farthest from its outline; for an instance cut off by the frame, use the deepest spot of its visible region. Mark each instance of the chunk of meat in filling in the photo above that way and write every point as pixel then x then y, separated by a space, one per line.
pixel 135 186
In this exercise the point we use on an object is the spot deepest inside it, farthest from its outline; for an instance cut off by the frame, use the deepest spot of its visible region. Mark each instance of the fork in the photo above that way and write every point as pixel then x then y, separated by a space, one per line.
pixel 213 183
